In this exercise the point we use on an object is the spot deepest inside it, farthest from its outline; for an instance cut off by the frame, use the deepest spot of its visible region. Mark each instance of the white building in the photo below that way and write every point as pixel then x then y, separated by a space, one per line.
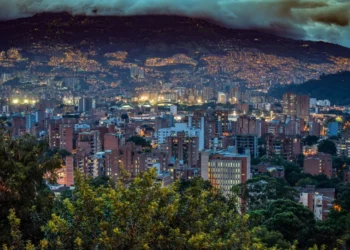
pixel 224 169
pixel 313 102
pixel 324 103
pixel 182 127
pixel 222 98
pixel 173 109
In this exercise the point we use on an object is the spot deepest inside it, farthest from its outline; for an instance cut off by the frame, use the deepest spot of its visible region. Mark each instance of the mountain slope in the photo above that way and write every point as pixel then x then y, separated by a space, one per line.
pixel 180 50
pixel 145 30
pixel 335 88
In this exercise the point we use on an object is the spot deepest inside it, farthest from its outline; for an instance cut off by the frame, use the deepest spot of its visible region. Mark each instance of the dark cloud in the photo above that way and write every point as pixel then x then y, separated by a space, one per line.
pixel 326 20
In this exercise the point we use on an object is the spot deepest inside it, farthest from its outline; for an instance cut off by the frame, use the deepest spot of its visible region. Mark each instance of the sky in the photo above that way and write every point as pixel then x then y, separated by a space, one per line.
pixel 324 20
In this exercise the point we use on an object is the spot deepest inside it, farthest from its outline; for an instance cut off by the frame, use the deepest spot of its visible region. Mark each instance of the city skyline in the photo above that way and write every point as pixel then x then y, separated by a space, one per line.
pixel 171 132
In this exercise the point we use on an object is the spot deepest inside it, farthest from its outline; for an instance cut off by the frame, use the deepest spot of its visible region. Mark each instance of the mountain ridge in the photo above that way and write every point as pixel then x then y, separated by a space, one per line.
pixel 61 27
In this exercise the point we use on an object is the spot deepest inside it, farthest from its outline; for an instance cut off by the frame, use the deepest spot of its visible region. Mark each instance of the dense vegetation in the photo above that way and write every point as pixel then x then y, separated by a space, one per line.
pixel 140 214
pixel 331 87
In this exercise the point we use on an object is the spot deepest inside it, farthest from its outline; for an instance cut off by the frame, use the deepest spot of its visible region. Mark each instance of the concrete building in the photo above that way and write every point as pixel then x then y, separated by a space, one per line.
pixel 289 104
pixel 246 125
pixel 222 98
pixel 66 132
pixel 182 127
pixel 86 104
pixel 286 147
pixel 318 200
pixel 30 122
pixel 88 144
pixel 111 141
pixel 222 124
pixel 224 169
pixel 343 147
pixel 319 164
pixel 303 107
pixel 244 142
pixel 183 150
pixel 173 109
pixel 294 105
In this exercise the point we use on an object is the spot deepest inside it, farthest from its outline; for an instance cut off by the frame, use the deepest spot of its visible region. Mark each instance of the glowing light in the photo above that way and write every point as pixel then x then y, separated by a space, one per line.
pixel 26 101
pixel 15 101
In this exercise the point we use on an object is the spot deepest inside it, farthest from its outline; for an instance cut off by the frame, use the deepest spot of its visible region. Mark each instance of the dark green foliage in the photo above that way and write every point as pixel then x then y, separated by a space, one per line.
pixel 102 181
pixel 335 88
pixel 261 190
pixel 62 152
pixel 22 166
pixel 310 140
pixel 292 220
pixel 124 117
pixel 139 141
pixel 328 147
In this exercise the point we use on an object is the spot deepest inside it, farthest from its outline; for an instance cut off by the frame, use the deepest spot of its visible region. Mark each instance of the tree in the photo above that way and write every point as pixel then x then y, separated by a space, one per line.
pixel 328 147
pixel 139 141
pixel 143 215
pixel 310 140
pixel 22 186
pixel 306 181
pixel 259 191
pixel 124 117
pixel 272 238
pixel 292 220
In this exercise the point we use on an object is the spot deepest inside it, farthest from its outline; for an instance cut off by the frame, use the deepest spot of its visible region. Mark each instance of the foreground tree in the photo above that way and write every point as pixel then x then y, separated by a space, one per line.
pixel 292 220
pixel 143 215
pixel 22 187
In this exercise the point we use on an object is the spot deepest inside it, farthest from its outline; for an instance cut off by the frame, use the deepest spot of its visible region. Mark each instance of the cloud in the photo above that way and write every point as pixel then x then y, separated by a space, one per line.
pixel 326 20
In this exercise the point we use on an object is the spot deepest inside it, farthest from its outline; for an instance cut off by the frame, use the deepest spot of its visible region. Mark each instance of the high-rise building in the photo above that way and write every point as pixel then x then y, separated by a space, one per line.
pixel 314 128
pixel 111 141
pixel 246 125
pixel 235 95
pixel 222 98
pixel 222 124
pixel 69 161
pixel 286 147
pixel 294 105
pixel 290 104
pixel 225 169
pixel 88 144
pixel 293 126
pixel 343 146
pixel 66 132
pixel 303 107
pixel 208 93
pixel 112 166
pixel 319 164
pixel 30 121
pixel 173 109
pixel 54 135
pixel 181 127
pixel 86 104
pixel 183 150
pixel 244 142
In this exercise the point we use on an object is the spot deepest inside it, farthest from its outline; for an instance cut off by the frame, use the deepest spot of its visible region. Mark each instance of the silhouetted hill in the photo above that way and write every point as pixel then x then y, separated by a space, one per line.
pixel 140 32
pixel 335 88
